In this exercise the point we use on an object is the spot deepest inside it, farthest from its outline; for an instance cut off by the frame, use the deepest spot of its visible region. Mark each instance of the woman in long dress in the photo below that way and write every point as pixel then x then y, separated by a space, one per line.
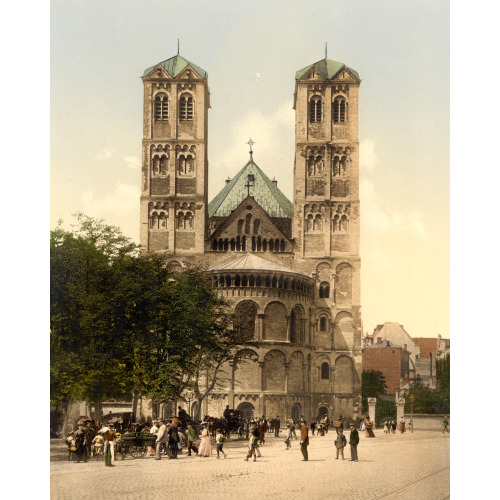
pixel 369 428
pixel 402 425
pixel 205 449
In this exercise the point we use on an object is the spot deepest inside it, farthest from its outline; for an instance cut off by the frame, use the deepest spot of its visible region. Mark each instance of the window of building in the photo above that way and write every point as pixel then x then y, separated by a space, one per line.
pixel 161 107
pixel 315 110
pixel 339 110
pixel 324 290
pixel 325 371
pixel 322 324
pixel 186 109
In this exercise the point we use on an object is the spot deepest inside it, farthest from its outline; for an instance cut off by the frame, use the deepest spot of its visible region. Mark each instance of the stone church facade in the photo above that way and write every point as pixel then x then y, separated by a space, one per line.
pixel 291 271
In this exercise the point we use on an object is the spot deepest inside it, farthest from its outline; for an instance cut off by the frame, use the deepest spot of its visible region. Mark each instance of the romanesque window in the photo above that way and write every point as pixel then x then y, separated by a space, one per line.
pixel 315 110
pixel 318 223
pixel 256 226
pixel 185 220
pixel 244 322
pixel 324 290
pixel 161 107
pixel 158 221
pixel 339 110
pixel 315 165
pixel 186 164
pixel 325 371
pixel 322 324
pixel 339 166
pixel 344 224
pixel 186 108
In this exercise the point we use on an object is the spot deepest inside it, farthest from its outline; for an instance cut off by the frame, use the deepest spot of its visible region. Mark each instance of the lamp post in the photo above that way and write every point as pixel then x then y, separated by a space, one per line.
pixel 412 398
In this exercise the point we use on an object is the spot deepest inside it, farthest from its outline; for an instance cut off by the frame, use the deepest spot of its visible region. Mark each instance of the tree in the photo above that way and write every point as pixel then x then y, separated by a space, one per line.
pixel 85 336
pixel 372 385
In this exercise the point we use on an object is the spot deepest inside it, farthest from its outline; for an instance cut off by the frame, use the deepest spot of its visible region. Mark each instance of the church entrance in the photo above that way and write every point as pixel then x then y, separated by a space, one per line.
pixel 323 411
pixel 246 410
pixel 296 412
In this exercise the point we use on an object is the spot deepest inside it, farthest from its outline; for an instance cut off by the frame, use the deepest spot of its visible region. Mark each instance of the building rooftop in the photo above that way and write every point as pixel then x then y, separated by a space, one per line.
pixel 175 65
pixel 263 190
pixel 327 68
pixel 252 262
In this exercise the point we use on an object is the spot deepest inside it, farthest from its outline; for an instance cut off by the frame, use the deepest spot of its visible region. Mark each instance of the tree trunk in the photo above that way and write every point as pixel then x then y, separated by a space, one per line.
pixel 98 410
pixel 135 399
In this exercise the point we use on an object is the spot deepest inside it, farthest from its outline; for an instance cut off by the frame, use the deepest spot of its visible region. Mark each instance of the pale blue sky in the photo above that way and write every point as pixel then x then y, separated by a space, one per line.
pixel 251 51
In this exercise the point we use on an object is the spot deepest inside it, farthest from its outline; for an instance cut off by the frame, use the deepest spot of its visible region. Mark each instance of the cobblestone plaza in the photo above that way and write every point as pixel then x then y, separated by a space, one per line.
pixel 400 466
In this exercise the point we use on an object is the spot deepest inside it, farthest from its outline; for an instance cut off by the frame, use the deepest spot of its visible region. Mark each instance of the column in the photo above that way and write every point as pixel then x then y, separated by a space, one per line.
pixel 260 326
pixel 287 402
pixel 372 405
pixel 261 410
pixel 230 392
pixel 400 403
pixel 288 327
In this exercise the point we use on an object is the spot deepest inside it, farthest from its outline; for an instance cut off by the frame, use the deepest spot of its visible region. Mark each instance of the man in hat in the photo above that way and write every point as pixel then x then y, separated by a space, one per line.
pixel 354 441
pixel 154 430
pixel 161 439
pixel 277 426
pixel 173 440
pixel 109 446
pixel 304 440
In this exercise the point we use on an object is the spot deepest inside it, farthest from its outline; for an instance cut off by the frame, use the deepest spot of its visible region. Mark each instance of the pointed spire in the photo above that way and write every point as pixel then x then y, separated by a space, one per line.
pixel 177 46
pixel 326 50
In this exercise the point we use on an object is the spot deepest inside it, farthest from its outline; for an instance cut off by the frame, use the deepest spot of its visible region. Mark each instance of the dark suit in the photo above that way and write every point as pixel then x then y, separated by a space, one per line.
pixel 304 440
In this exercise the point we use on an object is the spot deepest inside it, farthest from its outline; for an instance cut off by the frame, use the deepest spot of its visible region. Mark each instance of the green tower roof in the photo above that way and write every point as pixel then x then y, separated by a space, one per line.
pixel 265 193
pixel 175 65
pixel 327 69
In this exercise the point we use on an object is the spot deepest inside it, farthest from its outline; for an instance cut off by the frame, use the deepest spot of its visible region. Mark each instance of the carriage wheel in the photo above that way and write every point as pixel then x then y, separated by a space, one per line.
pixel 138 450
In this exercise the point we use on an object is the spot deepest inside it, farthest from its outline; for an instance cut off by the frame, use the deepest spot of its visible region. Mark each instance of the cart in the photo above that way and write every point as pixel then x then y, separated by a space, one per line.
pixel 134 444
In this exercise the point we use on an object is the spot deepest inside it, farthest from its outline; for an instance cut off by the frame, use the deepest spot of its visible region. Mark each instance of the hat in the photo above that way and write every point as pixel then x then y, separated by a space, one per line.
pixel 352 424
pixel 155 420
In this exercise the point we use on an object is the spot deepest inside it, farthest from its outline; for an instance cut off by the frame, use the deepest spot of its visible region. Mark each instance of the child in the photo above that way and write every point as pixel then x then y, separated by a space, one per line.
pixel 340 442
pixel 220 440
pixel 288 437
pixel 253 445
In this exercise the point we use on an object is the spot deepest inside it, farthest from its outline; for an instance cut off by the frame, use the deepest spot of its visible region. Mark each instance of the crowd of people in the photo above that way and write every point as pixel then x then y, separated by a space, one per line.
pixel 168 437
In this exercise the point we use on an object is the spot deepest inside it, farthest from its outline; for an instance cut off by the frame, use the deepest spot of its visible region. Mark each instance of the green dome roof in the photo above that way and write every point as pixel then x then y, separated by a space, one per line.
pixel 327 69
pixel 175 65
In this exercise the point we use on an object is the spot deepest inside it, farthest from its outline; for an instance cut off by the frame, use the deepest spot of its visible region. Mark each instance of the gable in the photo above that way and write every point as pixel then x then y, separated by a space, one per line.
pixel 158 71
pixel 189 73
pixel 344 75
pixel 248 219
pixel 314 75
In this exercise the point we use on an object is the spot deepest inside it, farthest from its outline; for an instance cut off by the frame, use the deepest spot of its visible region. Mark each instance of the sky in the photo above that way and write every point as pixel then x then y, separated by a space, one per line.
pixel 251 51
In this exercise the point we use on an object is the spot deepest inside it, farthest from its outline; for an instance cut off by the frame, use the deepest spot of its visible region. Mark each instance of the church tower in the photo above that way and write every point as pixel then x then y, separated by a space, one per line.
pixel 325 224
pixel 174 187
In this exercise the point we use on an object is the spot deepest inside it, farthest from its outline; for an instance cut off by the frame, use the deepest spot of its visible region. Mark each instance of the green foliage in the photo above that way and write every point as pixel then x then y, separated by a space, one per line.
pixel 122 321
pixel 372 385
pixel 427 400
pixel 385 409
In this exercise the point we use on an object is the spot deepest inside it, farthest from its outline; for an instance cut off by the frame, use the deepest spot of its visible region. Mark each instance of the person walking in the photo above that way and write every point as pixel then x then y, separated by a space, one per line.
pixel 393 426
pixel 220 440
pixel 161 439
pixel 98 445
pixel 173 440
pixel 313 426
pixel 277 427
pixel 386 426
pixel 109 446
pixel 354 441
pixel 402 425
pixel 369 427
pixel 205 449
pixel 191 438
pixel 340 443
pixel 304 440
pixel 446 423
pixel 253 445
pixel 80 444
pixel 153 430
pixel 288 437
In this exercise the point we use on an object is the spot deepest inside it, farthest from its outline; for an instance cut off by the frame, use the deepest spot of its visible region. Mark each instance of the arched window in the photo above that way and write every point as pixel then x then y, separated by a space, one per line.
pixel 318 223
pixel 240 226
pixel 322 324
pixel 247 223
pixel 344 224
pixel 161 107
pixel 186 109
pixel 336 224
pixel 181 221
pixel 325 371
pixel 315 110
pixel 163 165
pixel 256 226
pixel 339 110
pixel 309 223
pixel 324 290
pixel 156 165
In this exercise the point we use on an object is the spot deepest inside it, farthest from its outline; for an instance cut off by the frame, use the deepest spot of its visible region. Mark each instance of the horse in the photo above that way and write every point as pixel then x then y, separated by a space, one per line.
pixel 217 423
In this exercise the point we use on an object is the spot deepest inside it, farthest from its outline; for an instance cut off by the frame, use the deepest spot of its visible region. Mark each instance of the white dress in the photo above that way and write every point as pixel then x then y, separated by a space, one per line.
pixel 205 449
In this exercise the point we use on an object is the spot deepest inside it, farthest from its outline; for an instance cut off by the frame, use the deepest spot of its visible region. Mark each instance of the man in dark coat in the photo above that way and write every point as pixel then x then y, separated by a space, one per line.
pixel 173 439
pixel 80 443
pixel 354 441
pixel 304 440
pixel 277 426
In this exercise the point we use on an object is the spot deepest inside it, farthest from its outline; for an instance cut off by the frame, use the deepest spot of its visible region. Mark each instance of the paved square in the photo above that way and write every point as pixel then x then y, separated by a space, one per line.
pixel 400 466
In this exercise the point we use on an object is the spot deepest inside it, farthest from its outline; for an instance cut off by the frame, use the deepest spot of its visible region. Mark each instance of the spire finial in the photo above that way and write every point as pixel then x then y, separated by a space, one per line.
pixel 251 143
pixel 326 50
pixel 177 46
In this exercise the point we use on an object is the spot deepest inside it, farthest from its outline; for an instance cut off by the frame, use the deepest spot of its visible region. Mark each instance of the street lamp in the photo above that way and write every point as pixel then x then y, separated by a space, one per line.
pixel 412 398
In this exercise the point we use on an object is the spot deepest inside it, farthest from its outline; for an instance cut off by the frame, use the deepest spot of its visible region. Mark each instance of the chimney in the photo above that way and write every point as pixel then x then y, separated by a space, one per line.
pixel 228 180
pixel 275 182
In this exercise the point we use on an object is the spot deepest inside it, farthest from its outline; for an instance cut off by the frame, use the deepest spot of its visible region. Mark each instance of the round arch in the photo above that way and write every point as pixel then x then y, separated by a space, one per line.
pixel 246 410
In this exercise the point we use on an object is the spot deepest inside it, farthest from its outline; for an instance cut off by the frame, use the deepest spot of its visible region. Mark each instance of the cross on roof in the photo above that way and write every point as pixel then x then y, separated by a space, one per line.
pixel 251 143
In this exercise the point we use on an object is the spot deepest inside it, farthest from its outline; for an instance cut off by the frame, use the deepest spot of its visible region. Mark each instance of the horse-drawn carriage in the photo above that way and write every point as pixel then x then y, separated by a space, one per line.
pixel 230 423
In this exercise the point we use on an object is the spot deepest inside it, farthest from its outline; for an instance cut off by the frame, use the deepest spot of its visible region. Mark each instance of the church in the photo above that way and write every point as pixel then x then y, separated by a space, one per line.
pixel 290 270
